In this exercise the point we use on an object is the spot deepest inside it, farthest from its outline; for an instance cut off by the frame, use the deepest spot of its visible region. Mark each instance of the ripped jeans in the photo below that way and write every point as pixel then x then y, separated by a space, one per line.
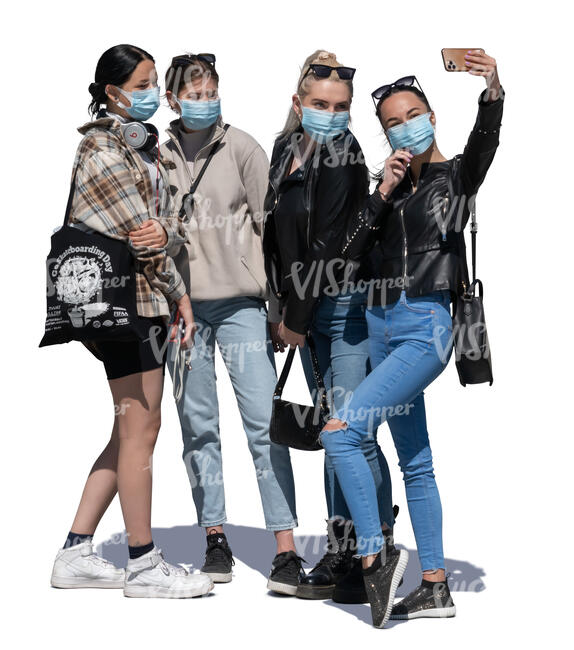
pixel 410 343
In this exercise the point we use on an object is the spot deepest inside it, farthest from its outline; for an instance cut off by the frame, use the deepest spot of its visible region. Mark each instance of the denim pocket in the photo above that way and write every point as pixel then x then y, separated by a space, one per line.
pixel 427 304
pixel 422 308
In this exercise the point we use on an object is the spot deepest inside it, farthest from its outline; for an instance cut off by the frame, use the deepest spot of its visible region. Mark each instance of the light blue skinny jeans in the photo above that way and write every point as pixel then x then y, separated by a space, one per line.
pixel 410 344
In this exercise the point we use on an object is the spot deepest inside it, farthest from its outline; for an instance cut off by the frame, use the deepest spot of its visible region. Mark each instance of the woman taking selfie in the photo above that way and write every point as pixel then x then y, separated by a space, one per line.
pixel 119 189
pixel 318 181
pixel 410 327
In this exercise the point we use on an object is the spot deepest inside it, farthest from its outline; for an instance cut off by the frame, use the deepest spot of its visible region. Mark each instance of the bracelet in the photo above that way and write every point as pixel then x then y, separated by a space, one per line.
pixel 383 194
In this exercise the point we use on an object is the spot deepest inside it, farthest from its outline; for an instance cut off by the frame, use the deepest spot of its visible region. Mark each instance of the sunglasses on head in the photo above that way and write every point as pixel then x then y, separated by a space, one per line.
pixel 323 71
pixel 187 59
pixel 384 90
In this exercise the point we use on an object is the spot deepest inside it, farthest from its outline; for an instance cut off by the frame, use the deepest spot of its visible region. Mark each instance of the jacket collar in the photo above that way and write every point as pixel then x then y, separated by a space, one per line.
pixel 278 169
pixel 108 123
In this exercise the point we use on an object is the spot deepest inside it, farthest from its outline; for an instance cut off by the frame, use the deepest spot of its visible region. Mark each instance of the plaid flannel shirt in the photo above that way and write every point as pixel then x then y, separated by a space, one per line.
pixel 114 195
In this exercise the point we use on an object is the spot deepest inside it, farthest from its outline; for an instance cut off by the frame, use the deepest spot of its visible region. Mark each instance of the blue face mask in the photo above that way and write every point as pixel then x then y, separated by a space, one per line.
pixel 197 115
pixel 144 103
pixel 416 134
pixel 324 125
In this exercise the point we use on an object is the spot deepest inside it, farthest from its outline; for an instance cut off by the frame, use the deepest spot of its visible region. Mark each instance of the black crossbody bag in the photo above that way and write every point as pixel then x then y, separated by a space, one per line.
pixel 295 425
pixel 472 349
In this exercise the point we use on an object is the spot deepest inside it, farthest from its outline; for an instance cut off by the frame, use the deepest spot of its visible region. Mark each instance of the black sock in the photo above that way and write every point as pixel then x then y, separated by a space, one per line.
pixel 138 551
pixel 76 538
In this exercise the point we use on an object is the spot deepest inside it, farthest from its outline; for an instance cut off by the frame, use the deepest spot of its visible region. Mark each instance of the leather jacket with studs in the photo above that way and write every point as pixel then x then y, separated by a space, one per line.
pixel 419 236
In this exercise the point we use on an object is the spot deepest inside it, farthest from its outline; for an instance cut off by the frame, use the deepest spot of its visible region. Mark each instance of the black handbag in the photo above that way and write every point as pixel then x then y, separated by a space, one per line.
pixel 90 287
pixel 187 201
pixel 296 425
pixel 472 349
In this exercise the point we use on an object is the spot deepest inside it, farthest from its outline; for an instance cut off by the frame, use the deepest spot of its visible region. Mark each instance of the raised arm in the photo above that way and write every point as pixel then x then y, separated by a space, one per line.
pixel 484 137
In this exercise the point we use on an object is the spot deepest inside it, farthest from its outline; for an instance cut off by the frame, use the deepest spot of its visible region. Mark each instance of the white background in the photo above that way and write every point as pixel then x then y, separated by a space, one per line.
pixel 503 455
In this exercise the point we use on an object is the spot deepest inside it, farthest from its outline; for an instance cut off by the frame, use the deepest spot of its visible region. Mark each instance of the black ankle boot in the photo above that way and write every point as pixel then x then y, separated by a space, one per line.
pixel 320 582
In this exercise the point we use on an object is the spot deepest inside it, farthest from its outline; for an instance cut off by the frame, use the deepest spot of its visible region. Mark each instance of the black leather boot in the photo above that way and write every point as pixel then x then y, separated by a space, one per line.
pixel 320 582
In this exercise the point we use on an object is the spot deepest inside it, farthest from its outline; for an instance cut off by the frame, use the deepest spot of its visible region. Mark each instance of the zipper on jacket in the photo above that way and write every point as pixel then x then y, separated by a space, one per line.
pixel 275 193
pixel 443 225
pixel 405 249
pixel 309 211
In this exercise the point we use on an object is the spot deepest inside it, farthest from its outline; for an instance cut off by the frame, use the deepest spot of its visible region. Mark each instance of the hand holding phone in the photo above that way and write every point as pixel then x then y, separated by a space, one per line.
pixel 453 58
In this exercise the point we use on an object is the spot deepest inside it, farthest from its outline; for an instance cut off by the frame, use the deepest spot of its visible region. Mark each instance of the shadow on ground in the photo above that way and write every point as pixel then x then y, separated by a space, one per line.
pixel 256 548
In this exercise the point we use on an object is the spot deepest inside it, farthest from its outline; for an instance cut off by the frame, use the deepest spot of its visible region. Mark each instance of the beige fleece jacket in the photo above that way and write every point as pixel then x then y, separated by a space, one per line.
pixel 224 256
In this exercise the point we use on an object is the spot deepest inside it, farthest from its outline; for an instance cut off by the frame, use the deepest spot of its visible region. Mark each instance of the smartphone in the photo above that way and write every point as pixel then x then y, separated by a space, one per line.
pixel 453 58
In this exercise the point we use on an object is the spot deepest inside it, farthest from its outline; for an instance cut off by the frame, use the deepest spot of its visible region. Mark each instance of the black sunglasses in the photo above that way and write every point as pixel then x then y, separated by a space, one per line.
pixel 187 59
pixel 323 71
pixel 384 90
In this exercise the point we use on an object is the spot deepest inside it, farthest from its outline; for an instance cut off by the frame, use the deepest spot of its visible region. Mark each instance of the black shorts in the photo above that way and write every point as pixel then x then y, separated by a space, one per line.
pixel 122 357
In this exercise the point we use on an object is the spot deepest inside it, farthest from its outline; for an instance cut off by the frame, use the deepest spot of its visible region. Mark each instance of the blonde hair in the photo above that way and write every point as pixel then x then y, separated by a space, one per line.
pixel 303 85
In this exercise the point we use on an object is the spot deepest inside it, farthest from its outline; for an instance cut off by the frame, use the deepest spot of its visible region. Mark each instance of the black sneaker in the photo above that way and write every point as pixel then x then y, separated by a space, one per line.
pixel 286 573
pixel 218 558
pixel 381 583
pixel 321 581
pixel 350 589
pixel 428 600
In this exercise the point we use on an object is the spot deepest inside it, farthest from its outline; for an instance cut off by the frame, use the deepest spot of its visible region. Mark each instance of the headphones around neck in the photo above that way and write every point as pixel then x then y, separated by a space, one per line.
pixel 142 136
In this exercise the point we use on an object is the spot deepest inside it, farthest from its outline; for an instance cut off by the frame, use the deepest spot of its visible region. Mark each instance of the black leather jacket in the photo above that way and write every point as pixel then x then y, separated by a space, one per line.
pixel 335 186
pixel 420 235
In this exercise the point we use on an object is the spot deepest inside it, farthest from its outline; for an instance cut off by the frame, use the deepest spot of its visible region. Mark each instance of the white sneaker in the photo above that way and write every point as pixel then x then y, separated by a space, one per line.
pixel 78 566
pixel 150 576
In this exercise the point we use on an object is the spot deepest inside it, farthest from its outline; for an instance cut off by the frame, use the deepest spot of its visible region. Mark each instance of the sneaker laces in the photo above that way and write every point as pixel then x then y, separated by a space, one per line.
pixel 332 558
pixel 291 562
pixel 218 551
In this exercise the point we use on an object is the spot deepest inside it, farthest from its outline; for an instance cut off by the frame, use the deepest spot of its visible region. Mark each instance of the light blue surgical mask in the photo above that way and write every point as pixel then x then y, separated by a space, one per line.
pixel 324 125
pixel 416 134
pixel 197 114
pixel 144 103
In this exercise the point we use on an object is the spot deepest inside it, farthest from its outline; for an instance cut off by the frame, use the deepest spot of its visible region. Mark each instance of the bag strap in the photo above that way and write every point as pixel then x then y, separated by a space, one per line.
pixel 473 226
pixel 316 372
pixel 473 231
pixel 207 161
pixel 70 197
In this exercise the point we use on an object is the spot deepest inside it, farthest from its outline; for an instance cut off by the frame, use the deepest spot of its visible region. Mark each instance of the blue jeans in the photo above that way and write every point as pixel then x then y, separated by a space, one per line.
pixel 339 330
pixel 410 343
pixel 239 327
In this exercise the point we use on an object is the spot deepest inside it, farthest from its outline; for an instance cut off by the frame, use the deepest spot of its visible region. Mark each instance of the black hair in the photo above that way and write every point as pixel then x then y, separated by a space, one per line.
pixel 379 174
pixel 400 89
pixel 115 67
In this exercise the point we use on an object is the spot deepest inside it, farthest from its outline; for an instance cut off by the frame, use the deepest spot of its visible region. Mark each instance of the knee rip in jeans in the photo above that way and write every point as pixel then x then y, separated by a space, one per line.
pixel 333 424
